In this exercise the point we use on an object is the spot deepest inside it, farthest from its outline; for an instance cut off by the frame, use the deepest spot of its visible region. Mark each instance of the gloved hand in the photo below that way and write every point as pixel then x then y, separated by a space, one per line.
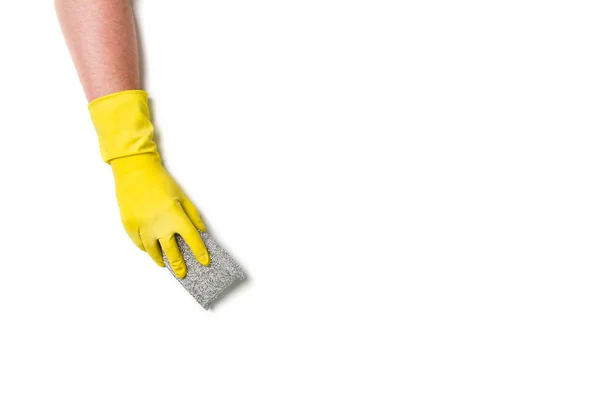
pixel 153 207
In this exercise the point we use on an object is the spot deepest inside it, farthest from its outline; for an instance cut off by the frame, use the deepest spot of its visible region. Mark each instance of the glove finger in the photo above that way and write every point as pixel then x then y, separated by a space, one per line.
pixel 193 239
pixel 169 245
pixel 153 249
pixel 192 213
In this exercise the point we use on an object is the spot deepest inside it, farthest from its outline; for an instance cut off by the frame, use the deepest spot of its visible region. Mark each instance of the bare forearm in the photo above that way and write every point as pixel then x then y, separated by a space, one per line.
pixel 100 35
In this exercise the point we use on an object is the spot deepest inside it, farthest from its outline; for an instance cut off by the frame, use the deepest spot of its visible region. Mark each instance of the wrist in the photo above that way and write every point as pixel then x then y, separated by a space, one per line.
pixel 122 122
pixel 136 162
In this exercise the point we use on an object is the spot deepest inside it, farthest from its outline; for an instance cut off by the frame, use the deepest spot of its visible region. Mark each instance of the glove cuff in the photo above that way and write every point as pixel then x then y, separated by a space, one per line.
pixel 122 122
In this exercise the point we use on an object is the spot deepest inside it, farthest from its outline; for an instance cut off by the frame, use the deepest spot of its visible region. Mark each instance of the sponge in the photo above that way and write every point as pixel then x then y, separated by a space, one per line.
pixel 205 284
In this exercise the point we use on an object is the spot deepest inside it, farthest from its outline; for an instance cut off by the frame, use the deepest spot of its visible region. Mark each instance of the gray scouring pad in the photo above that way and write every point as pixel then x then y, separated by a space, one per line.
pixel 205 284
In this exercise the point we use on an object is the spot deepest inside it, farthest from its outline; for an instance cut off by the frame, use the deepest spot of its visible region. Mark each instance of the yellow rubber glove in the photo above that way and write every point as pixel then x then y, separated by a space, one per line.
pixel 153 207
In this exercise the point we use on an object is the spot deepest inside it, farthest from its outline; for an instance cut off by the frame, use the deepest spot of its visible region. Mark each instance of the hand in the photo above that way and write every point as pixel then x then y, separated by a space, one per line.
pixel 154 208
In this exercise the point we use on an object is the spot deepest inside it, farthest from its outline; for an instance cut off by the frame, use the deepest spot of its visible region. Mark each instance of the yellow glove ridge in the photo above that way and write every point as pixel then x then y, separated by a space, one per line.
pixel 153 207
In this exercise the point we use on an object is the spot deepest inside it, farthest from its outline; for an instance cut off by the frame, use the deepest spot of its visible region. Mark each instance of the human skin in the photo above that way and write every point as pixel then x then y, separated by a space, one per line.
pixel 101 38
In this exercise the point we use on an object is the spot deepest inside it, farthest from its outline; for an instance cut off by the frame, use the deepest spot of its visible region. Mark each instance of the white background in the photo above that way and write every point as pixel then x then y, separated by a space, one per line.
pixel 411 186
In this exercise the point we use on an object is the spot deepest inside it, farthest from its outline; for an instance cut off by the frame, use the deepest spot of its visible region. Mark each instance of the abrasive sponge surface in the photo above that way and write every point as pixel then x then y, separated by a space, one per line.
pixel 205 284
